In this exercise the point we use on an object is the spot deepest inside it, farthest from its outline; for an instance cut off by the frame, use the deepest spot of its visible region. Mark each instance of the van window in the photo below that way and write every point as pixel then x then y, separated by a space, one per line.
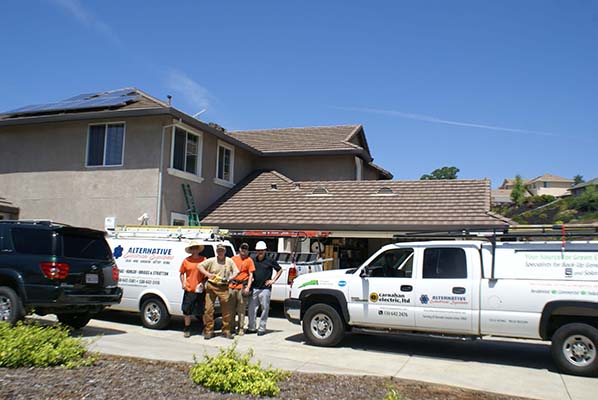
pixel 32 241
pixel 444 263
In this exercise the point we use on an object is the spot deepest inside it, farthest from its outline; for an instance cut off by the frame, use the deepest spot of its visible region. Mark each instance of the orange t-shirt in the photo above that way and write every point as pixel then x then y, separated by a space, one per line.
pixel 192 274
pixel 245 267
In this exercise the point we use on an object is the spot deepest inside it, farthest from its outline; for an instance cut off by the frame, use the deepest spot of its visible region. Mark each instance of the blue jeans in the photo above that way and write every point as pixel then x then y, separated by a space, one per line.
pixel 259 297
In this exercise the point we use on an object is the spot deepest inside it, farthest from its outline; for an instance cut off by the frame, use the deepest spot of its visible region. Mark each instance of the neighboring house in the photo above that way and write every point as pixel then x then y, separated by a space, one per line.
pixel 123 153
pixel 502 195
pixel 550 185
pixel 8 210
pixel 355 217
pixel 581 187
pixel 509 183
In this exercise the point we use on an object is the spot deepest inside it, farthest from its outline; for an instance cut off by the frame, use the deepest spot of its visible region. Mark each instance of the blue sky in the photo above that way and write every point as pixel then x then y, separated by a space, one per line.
pixel 495 88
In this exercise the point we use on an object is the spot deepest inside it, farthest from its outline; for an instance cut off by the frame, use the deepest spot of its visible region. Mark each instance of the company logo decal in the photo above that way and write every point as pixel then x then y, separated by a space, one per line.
pixel 424 299
pixel 342 283
pixel 373 297
pixel 118 251
pixel 309 283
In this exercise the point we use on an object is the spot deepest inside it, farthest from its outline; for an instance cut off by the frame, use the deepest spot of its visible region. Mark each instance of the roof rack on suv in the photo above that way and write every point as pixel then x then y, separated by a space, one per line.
pixel 46 222
pixel 169 232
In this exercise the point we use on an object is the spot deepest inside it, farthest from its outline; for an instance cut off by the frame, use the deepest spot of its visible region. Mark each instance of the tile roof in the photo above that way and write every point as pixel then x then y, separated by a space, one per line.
pixel 584 184
pixel 549 178
pixel 311 139
pixel 270 200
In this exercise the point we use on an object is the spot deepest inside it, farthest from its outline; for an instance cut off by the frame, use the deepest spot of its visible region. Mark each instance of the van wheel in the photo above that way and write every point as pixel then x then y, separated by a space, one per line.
pixel 154 314
pixel 11 306
pixel 323 326
pixel 575 349
pixel 74 320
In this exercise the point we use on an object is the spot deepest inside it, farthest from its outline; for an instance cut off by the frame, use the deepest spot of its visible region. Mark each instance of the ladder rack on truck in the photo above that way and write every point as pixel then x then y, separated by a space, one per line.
pixel 168 232
pixel 512 233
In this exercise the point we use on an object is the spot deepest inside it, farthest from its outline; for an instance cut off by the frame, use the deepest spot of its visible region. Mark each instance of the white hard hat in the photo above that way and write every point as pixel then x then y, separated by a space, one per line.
pixel 261 245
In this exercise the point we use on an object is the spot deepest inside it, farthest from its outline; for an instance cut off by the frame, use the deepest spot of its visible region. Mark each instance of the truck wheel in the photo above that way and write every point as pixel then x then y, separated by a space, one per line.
pixel 154 314
pixel 575 349
pixel 323 326
pixel 11 306
pixel 74 320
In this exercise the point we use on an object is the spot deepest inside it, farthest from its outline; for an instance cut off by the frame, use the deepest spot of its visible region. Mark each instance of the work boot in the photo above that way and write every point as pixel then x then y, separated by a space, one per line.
pixel 186 332
pixel 228 335
pixel 241 332
pixel 248 331
pixel 208 335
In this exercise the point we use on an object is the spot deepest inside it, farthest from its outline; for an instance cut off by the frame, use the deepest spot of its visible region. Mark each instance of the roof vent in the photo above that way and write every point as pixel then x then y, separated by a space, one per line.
pixel 320 190
pixel 273 186
pixel 384 191
pixel 297 186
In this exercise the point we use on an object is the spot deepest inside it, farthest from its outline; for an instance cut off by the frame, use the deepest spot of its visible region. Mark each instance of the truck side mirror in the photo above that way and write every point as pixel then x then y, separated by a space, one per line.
pixel 364 273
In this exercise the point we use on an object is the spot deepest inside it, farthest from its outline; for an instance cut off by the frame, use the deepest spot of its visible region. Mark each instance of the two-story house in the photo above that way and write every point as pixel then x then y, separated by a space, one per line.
pixel 123 153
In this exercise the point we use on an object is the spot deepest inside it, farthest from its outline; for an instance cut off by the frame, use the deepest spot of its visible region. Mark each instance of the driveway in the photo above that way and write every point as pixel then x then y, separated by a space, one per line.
pixel 503 366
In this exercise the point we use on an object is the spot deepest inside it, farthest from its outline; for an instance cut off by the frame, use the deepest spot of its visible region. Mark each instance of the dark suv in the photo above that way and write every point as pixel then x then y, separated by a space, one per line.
pixel 51 268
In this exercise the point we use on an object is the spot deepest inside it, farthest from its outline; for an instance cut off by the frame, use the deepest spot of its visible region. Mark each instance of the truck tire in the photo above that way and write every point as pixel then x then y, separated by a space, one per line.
pixel 11 306
pixel 323 326
pixel 154 314
pixel 575 349
pixel 74 320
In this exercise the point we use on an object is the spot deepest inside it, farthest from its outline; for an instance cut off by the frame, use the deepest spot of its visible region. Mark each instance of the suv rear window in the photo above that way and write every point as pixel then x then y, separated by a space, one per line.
pixel 32 241
pixel 87 247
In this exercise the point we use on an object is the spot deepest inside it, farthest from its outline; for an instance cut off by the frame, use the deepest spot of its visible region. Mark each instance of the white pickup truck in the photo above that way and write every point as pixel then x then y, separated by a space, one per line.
pixel 463 288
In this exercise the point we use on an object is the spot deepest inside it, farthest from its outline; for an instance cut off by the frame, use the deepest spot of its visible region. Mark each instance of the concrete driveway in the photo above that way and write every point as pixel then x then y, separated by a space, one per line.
pixel 508 367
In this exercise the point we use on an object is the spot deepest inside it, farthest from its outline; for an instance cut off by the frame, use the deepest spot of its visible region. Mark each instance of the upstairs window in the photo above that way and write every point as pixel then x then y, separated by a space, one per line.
pixel 186 151
pixel 225 163
pixel 105 145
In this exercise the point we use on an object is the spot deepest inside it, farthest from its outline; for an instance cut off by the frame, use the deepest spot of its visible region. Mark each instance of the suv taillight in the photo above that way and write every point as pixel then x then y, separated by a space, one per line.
pixel 115 273
pixel 292 275
pixel 55 270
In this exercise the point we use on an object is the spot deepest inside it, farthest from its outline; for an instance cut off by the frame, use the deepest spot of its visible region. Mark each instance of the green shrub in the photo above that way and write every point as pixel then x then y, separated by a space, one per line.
pixel 393 394
pixel 232 372
pixel 33 345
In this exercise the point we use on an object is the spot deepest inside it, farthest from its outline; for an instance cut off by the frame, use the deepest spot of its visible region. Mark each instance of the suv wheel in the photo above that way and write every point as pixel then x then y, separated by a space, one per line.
pixel 74 320
pixel 575 349
pixel 323 326
pixel 154 314
pixel 11 306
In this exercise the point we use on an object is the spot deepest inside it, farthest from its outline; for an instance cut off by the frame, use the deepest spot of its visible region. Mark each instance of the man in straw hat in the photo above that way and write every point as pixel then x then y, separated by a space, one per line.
pixel 219 270
pixel 192 283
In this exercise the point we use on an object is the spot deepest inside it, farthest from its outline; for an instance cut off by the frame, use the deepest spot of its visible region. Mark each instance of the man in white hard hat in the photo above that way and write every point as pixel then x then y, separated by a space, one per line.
pixel 262 287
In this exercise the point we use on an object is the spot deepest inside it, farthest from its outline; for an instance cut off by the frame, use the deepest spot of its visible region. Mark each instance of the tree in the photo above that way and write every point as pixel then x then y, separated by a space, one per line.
pixel 577 179
pixel 518 191
pixel 441 173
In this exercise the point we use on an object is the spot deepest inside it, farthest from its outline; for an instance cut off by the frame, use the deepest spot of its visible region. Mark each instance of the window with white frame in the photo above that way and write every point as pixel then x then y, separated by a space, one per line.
pixel 186 151
pixel 105 144
pixel 225 162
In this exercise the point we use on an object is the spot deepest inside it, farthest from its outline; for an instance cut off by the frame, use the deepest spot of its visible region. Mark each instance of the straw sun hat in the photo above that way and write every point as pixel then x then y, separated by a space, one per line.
pixel 193 243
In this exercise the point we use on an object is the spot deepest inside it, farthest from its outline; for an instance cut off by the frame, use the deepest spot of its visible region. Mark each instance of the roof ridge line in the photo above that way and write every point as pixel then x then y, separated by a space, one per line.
pixel 295 127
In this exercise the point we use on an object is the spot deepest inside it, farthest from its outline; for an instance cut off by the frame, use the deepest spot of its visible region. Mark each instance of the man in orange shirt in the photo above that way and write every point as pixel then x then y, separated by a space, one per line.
pixel 240 287
pixel 192 282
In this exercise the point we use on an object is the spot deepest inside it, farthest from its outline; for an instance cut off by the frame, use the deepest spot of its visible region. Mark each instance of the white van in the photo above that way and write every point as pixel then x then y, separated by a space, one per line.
pixel 148 259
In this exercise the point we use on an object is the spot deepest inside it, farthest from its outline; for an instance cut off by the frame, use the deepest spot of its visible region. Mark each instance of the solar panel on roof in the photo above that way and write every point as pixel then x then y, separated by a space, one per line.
pixel 83 101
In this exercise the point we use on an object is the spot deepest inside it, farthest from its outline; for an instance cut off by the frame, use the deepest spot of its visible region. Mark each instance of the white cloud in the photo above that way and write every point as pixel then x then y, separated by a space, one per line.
pixel 192 93
pixel 428 118
pixel 88 19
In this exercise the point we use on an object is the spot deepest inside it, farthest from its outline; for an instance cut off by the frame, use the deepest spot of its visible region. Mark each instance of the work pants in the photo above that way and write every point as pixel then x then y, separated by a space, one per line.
pixel 259 298
pixel 238 302
pixel 221 292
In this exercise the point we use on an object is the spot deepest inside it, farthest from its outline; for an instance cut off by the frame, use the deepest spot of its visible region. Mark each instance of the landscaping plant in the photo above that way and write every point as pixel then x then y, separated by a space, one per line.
pixel 33 345
pixel 232 372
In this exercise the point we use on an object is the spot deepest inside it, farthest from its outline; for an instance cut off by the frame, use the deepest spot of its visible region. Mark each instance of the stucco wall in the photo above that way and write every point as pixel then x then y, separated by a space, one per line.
pixel 311 168
pixel 208 191
pixel 43 171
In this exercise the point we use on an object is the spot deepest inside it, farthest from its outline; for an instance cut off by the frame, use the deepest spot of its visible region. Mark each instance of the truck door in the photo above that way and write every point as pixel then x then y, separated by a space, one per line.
pixel 384 295
pixel 444 294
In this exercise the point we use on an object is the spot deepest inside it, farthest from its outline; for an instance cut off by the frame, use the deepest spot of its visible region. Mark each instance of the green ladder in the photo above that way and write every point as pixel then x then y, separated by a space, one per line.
pixel 191 210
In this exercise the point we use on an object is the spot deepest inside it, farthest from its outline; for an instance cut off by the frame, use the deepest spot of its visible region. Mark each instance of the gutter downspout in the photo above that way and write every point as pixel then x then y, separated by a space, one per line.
pixel 159 202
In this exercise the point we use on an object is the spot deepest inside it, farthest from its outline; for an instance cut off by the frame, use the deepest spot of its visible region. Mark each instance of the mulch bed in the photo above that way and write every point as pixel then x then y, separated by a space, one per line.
pixel 126 378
